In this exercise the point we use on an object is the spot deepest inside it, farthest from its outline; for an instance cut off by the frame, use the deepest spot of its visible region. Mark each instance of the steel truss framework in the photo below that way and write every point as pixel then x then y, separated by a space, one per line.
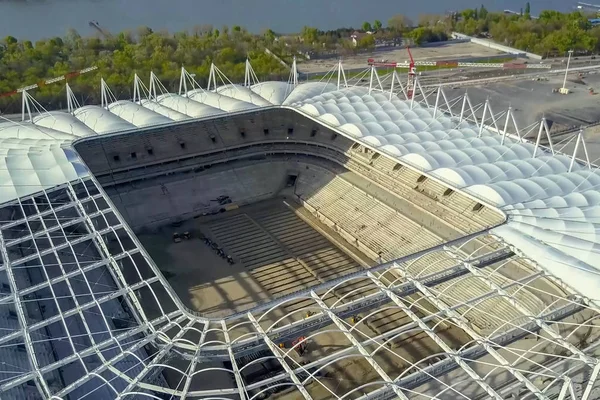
pixel 86 314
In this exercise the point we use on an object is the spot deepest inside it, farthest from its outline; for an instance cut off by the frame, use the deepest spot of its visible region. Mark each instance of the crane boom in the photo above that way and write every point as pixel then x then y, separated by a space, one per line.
pixel 68 75
pixel 412 60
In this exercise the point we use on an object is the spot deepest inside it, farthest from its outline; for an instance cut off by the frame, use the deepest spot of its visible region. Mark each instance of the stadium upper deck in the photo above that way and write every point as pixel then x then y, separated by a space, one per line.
pixel 56 222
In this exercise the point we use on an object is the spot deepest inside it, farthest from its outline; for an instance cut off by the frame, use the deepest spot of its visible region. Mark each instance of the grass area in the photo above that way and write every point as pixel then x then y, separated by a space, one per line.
pixel 497 60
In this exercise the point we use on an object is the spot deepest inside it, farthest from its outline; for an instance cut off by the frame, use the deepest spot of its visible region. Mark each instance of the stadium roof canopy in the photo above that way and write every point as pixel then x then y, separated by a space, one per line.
pixel 552 204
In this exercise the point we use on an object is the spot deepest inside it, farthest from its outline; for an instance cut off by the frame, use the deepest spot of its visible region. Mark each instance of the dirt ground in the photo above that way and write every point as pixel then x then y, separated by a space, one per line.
pixel 207 283
pixel 438 53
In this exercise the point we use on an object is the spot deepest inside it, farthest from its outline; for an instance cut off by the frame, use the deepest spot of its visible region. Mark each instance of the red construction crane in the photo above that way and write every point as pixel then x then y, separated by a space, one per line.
pixel 412 73
pixel 68 75
pixel 103 32
pixel 412 67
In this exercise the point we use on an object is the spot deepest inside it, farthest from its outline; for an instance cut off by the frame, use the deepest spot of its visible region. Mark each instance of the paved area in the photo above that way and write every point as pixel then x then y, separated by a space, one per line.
pixel 450 51
pixel 532 99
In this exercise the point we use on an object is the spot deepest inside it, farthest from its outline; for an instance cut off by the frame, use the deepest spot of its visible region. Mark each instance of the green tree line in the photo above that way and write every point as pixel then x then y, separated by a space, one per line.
pixel 551 33
pixel 119 56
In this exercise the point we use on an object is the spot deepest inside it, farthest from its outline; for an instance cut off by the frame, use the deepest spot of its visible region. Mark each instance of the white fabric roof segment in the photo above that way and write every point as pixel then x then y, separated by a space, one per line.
pixel 101 120
pixel 63 122
pixel 571 270
pixel 243 93
pixel 307 90
pixel 552 208
pixel 274 92
pixel 223 102
pixel 27 130
pixel 187 106
pixel 164 111
pixel 505 175
pixel 136 114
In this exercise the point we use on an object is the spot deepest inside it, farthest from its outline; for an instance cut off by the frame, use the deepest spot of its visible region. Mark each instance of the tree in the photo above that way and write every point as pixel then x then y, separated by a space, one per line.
pixel 269 35
pixel 430 20
pixel 398 23
pixel 377 25
pixel 309 34
pixel 469 13
pixel 10 40
pixel 366 26
pixel 366 42
pixel 483 12
pixel 419 35
pixel 527 10
pixel 143 31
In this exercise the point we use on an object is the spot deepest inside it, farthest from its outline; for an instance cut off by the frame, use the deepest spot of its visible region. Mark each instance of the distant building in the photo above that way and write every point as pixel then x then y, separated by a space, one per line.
pixel 356 36
pixel 594 21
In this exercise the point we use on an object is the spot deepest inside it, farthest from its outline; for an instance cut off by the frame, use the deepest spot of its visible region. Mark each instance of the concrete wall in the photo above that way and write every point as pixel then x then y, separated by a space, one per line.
pixel 170 198
pixel 107 155
pixel 497 46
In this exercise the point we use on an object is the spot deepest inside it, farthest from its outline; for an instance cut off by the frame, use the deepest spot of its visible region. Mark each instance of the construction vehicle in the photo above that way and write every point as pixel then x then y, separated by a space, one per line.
pixel 176 237
pixel 300 345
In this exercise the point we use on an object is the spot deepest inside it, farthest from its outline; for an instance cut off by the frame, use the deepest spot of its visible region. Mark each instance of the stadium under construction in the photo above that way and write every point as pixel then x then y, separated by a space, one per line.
pixel 341 239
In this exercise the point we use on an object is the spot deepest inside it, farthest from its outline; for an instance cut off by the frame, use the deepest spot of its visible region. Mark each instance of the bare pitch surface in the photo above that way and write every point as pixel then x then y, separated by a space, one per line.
pixel 275 253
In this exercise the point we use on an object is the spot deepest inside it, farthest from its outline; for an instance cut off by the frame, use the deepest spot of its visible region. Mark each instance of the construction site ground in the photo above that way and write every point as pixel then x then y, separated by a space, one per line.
pixel 278 250
pixel 449 51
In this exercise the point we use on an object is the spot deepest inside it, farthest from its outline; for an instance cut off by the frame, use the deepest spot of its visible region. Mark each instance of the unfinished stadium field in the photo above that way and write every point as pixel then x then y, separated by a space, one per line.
pixel 310 212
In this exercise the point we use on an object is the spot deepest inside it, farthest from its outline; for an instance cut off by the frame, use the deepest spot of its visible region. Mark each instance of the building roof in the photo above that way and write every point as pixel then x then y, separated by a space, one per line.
pixel 553 207
pixel 500 172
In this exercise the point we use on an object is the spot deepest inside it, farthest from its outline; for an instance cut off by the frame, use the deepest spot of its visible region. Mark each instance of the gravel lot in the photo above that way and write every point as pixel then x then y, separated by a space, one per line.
pixel 445 52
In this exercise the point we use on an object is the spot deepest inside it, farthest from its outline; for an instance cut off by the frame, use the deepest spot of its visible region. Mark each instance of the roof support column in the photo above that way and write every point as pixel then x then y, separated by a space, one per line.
pixel 357 345
pixel 40 383
pixel 276 352
pixel 580 139
pixel 437 101
pixel 236 371
pixel 463 108
pixel 590 385
pixel 463 323
pixel 485 109
pixel 148 339
pixel 192 368
pixel 342 75
pixel 449 109
pixel 164 352
pixel 527 313
pixel 438 340
pixel 508 114
pixel 396 78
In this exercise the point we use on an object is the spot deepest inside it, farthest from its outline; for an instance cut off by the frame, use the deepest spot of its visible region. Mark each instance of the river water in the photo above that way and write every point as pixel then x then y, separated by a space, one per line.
pixel 35 19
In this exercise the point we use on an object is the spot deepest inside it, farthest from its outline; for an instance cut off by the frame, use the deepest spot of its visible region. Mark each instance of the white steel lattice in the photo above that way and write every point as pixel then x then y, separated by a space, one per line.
pixel 86 314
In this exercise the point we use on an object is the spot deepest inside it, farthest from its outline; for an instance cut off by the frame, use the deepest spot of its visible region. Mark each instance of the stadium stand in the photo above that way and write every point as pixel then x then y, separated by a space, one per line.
pixel 379 249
